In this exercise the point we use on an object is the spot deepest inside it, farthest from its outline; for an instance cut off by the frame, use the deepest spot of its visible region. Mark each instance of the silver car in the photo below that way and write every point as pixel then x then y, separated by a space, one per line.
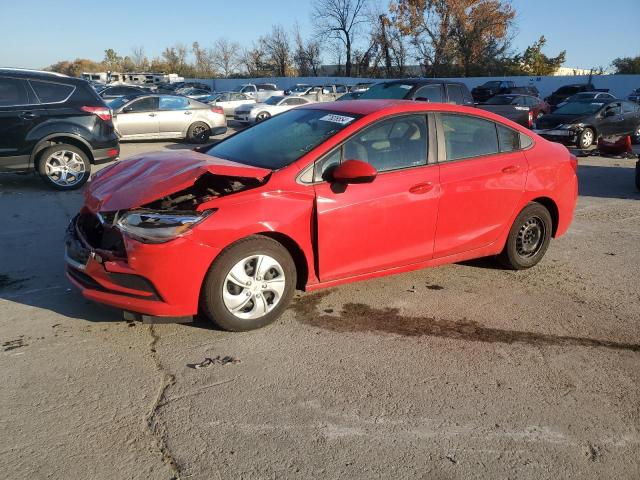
pixel 166 116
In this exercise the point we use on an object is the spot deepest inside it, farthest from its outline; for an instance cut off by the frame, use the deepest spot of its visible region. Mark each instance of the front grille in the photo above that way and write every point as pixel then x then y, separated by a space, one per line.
pixel 100 233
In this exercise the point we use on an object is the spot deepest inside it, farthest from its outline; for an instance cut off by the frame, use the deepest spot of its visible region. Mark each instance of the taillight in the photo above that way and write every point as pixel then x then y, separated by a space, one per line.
pixel 530 119
pixel 102 112
pixel 217 110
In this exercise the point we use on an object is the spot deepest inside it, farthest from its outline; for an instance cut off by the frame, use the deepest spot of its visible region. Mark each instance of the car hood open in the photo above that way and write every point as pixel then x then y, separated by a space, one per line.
pixel 145 178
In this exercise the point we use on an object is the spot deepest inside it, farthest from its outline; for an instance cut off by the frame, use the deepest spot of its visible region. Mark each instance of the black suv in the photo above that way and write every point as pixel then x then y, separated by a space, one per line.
pixel 55 125
pixel 425 90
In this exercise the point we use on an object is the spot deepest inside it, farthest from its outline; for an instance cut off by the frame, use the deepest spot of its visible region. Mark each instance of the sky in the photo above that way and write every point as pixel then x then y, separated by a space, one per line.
pixel 37 33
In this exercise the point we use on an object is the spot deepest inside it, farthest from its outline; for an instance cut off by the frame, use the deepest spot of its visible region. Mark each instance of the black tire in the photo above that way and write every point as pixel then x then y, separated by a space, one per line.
pixel 199 132
pixel 638 175
pixel 58 157
pixel 262 116
pixel 212 302
pixel 586 138
pixel 528 238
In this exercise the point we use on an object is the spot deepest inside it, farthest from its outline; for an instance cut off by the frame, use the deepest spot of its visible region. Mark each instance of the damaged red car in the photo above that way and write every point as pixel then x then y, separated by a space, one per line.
pixel 317 196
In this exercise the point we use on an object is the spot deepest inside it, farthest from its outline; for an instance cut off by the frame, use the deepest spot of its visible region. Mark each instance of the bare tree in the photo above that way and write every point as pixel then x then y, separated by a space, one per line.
pixel 306 55
pixel 139 58
pixel 277 47
pixel 204 64
pixel 255 61
pixel 340 19
pixel 226 56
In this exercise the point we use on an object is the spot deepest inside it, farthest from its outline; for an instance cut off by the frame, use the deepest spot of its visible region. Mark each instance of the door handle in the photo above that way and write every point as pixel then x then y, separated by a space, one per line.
pixel 188 113
pixel 152 114
pixel 28 115
pixel 421 188
pixel 511 169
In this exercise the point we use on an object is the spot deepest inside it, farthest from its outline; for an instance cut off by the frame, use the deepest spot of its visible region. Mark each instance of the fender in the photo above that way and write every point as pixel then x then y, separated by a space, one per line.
pixel 42 144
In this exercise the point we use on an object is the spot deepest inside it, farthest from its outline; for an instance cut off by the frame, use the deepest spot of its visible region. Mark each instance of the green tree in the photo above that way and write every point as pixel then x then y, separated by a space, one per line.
pixel 534 62
pixel 112 61
pixel 627 65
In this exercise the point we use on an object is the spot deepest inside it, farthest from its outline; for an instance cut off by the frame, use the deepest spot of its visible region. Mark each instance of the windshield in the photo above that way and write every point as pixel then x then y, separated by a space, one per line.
pixel 300 88
pixel 492 84
pixel 283 139
pixel 579 108
pixel 501 100
pixel 387 91
pixel 273 100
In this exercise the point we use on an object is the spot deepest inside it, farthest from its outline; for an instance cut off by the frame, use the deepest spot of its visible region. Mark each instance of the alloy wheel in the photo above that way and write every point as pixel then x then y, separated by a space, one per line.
pixel 199 132
pixel 65 168
pixel 530 237
pixel 586 139
pixel 253 287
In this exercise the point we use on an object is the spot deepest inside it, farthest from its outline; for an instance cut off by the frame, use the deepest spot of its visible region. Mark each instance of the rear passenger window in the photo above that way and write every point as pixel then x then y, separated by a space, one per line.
pixel 508 140
pixel 467 136
pixel 49 92
pixel 13 92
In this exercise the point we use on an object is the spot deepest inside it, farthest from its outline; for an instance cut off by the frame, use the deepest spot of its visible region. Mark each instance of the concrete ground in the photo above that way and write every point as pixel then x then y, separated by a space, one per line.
pixel 458 372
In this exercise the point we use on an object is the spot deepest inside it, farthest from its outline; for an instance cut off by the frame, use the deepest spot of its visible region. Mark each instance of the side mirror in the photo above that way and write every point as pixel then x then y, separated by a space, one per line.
pixel 354 171
pixel 127 109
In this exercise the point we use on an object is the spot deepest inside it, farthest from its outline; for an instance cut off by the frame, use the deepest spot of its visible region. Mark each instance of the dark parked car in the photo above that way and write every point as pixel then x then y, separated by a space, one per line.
pixel 122 91
pixel 566 91
pixel 583 121
pixel 634 96
pixel 434 91
pixel 55 125
pixel 172 87
pixel 522 109
pixel 595 95
pixel 492 88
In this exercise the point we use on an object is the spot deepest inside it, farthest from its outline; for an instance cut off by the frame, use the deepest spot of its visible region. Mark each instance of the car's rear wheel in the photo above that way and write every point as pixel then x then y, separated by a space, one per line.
pixel 528 238
pixel 586 138
pixel 249 285
pixel 64 167
pixel 199 132
pixel 262 116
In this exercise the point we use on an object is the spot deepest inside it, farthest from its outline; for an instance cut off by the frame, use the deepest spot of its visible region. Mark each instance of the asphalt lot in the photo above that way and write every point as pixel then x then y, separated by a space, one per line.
pixel 463 371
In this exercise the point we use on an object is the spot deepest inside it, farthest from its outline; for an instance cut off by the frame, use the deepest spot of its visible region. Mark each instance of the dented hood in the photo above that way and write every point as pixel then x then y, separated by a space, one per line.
pixel 144 178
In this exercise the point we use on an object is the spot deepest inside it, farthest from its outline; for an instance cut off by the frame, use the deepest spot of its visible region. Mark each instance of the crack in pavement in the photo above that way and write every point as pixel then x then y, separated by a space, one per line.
pixel 156 428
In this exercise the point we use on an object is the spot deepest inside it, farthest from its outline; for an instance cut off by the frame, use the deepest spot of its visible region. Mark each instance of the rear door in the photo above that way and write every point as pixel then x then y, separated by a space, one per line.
pixel 631 115
pixel 138 119
pixel 174 116
pixel 389 222
pixel 482 178
pixel 20 114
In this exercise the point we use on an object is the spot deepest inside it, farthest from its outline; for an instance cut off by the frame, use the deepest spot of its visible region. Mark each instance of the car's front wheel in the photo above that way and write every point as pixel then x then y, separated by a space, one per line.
pixel 528 238
pixel 64 167
pixel 586 138
pixel 249 285
pixel 262 116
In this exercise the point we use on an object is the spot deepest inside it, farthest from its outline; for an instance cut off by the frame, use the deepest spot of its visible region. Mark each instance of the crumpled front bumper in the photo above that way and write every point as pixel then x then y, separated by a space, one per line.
pixel 161 280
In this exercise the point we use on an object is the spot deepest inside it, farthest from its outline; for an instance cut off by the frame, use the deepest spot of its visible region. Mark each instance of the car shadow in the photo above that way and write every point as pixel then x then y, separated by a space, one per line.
pixel 614 181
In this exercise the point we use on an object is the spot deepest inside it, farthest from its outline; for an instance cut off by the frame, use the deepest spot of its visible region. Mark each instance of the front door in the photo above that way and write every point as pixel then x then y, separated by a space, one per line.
pixel 482 179
pixel 612 122
pixel 389 222
pixel 138 119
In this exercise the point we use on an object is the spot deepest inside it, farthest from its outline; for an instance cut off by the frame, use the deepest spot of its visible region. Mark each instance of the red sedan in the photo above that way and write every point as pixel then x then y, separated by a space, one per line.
pixel 321 195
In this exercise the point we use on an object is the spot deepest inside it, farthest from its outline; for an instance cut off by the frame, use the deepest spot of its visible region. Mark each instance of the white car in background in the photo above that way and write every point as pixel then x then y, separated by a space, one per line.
pixel 272 106
pixel 230 101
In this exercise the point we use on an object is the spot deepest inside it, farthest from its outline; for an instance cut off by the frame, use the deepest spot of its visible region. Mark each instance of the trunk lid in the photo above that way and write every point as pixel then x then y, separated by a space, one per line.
pixel 145 178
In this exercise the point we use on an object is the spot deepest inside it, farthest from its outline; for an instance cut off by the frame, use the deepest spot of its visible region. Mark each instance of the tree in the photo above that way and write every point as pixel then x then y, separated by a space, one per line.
pixel 255 61
pixel 204 64
pixel 276 46
pixel 75 68
pixel 226 56
pixel 112 61
pixel 340 20
pixel 306 55
pixel 139 58
pixel 534 62
pixel 627 65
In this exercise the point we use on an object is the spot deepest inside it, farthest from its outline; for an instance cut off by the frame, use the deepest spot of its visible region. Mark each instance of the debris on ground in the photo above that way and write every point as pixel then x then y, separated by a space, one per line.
pixel 207 362
pixel 13 344
pixel 451 458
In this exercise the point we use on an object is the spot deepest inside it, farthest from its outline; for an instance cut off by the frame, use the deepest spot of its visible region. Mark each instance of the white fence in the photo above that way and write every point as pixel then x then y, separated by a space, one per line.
pixel 618 85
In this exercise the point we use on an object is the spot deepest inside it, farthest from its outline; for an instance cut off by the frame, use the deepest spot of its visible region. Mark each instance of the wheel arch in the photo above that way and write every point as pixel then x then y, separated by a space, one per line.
pixel 60 138
pixel 298 256
pixel 552 208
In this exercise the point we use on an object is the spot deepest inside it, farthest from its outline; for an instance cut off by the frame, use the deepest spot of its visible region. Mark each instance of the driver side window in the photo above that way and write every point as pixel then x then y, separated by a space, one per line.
pixel 391 144
pixel 143 105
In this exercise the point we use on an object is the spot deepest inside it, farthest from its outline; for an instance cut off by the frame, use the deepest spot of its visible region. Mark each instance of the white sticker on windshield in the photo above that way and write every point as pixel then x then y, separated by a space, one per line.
pixel 337 119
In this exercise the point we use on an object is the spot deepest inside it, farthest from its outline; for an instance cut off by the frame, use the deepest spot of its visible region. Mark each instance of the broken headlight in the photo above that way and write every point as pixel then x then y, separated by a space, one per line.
pixel 159 227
